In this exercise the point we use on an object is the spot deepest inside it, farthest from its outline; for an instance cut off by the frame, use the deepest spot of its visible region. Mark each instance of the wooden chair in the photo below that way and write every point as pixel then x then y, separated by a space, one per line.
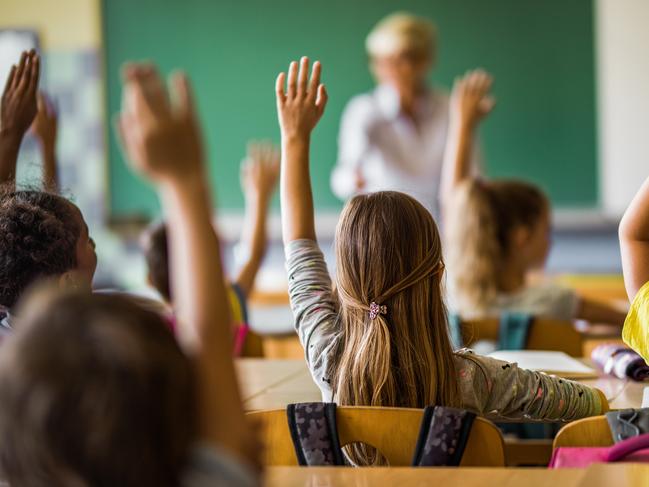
pixel 253 346
pixel 592 431
pixel 285 346
pixel 544 334
pixel 393 431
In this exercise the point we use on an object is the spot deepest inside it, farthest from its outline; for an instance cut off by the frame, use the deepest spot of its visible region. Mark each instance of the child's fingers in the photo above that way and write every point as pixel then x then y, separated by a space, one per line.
pixel 183 94
pixel 155 91
pixel 303 76
pixel 148 90
pixel 128 71
pixel 10 79
pixel 25 76
pixel 487 104
pixel 35 73
pixel 292 79
pixel 279 87
pixel 19 70
pixel 315 78
pixel 321 100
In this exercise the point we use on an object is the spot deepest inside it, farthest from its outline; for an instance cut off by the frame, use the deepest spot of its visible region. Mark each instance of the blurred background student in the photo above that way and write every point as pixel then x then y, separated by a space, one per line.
pixel 394 137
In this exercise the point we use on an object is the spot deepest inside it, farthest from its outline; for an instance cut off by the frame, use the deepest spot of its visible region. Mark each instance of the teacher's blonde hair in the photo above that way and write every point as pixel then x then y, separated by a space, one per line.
pixel 402 31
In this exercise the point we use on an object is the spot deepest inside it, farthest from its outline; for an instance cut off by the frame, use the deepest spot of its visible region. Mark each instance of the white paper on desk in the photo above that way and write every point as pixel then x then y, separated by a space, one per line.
pixel 556 362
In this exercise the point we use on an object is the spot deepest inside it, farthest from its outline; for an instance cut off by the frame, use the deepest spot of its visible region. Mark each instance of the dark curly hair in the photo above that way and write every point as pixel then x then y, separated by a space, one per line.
pixel 38 237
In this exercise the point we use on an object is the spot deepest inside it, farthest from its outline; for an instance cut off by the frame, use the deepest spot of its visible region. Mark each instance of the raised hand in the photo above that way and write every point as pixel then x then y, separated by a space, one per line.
pixel 471 100
pixel 45 124
pixel 45 128
pixel 19 97
pixel 160 134
pixel 17 111
pixel 162 140
pixel 302 104
pixel 260 171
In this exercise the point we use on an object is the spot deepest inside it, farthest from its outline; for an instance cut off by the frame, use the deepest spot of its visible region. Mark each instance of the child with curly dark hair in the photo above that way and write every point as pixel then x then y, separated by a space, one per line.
pixel 42 234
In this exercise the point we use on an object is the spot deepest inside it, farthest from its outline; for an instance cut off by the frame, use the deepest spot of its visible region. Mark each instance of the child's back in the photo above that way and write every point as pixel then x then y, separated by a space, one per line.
pixel 381 338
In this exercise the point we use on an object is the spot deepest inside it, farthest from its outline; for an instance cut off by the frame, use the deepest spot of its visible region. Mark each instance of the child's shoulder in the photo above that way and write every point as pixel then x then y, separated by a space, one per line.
pixel 542 299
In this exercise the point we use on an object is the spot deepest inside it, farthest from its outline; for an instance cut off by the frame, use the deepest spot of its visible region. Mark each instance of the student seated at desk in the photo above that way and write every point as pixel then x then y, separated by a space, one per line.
pixel 94 389
pixel 634 246
pixel 381 337
pixel 260 171
pixel 497 232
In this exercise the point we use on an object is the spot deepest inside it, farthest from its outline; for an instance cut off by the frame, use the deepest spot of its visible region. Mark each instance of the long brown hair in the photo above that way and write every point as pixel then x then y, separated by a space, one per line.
pixel 388 251
pixel 94 391
pixel 481 218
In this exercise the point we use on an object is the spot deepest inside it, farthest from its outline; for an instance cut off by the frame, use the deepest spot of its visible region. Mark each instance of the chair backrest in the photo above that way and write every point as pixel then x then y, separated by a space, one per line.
pixel 392 431
pixel 593 431
pixel 253 346
pixel 544 334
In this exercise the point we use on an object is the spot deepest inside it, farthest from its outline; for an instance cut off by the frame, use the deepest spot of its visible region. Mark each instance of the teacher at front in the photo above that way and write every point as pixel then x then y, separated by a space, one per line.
pixel 394 137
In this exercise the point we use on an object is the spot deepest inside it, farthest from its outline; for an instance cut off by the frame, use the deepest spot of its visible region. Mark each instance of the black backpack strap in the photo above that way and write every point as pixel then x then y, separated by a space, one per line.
pixel 455 328
pixel 514 330
pixel 627 423
pixel 314 433
pixel 443 435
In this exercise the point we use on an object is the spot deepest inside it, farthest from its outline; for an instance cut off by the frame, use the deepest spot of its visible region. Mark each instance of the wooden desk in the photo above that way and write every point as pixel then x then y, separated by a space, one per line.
pixel 271 384
pixel 635 474
pixel 385 477
pixel 257 376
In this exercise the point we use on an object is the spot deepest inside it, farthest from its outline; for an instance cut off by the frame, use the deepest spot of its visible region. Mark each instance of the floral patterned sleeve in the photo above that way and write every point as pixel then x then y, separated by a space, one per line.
pixel 501 390
pixel 313 306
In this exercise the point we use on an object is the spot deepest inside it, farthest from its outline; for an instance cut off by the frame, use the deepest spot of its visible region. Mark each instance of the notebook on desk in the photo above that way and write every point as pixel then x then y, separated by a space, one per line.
pixel 555 363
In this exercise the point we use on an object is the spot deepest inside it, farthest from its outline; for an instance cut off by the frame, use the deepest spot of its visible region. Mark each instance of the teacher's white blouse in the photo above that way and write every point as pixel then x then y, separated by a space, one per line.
pixel 389 150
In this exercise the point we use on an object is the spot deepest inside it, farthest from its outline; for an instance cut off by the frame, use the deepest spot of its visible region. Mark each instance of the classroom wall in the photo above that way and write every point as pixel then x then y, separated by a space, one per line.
pixel 623 100
pixel 541 54
pixel 61 24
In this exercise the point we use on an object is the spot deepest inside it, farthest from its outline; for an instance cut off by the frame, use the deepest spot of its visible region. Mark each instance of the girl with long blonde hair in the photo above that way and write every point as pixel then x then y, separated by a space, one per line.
pixel 381 338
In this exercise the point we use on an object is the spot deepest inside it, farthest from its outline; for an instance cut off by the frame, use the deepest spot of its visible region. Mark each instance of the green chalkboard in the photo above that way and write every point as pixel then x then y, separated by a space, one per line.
pixel 541 54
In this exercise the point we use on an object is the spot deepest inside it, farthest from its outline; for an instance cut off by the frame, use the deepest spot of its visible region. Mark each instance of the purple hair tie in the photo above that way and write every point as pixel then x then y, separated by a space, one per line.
pixel 376 309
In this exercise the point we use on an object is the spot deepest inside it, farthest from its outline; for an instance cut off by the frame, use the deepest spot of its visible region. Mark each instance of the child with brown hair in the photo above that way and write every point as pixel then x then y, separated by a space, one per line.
pixel 381 337
pixel 118 401
pixel 498 231
pixel 259 174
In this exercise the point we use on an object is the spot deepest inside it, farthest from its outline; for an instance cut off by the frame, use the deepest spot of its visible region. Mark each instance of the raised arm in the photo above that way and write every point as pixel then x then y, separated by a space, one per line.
pixel 634 242
pixel 163 143
pixel 18 111
pixel 45 128
pixel 259 173
pixel 470 102
pixel 299 109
